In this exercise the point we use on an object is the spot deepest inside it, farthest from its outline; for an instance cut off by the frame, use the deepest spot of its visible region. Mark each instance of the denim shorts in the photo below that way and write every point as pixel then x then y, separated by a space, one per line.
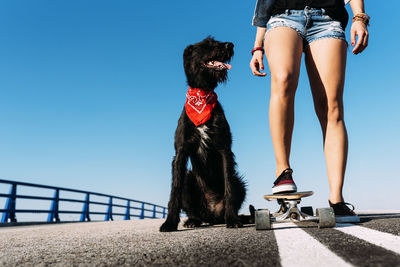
pixel 311 24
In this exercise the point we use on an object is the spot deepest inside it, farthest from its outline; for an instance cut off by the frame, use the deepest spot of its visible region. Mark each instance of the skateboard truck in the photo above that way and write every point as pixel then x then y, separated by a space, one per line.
pixel 289 212
pixel 292 212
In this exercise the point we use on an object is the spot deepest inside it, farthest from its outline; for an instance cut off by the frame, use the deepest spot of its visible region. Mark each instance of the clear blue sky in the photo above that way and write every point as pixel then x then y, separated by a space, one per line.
pixel 90 94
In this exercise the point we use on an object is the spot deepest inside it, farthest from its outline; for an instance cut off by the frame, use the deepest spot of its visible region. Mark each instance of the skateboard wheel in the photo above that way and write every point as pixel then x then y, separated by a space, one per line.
pixel 326 218
pixel 307 210
pixel 263 219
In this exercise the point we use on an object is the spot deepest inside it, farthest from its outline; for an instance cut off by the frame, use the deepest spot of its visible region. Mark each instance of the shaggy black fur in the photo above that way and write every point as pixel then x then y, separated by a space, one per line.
pixel 212 191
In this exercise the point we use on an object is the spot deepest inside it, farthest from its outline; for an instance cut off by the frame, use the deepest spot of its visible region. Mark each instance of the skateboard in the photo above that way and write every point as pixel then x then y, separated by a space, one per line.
pixel 289 212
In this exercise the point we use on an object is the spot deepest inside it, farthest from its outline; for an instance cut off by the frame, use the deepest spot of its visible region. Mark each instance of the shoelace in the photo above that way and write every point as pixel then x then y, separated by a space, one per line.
pixel 345 204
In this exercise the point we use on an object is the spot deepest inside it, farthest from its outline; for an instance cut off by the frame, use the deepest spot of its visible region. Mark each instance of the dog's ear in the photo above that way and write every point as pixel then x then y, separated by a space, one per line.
pixel 188 51
pixel 210 38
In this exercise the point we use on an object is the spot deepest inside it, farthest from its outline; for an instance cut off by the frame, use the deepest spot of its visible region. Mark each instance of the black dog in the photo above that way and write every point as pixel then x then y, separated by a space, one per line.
pixel 212 191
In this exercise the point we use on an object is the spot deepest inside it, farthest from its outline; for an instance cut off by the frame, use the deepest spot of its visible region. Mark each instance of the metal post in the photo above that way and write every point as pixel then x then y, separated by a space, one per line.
pixel 128 211
pixel 109 211
pixel 9 215
pixel 53 214
pixel 163 213
pixel 154 211
pixel 142 212
pixel 85 210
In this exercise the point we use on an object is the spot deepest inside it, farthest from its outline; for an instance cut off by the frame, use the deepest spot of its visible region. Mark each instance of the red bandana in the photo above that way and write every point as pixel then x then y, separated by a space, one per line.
pixel 199 104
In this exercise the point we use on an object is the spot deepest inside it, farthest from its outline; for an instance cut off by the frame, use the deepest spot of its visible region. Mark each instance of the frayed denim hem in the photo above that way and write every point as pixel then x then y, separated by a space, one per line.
pixel 307 44
pixel 277 24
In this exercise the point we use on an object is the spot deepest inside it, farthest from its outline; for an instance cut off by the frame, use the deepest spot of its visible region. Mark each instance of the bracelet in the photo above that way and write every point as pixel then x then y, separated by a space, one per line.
pixel 257 48
pixel 364 18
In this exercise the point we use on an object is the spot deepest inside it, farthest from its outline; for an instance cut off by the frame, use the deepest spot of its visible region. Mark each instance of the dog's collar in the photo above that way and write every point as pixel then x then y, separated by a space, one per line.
pixel 199 104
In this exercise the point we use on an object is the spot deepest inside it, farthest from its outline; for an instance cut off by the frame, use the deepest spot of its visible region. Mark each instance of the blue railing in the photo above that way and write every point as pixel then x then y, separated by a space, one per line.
pixel 9 211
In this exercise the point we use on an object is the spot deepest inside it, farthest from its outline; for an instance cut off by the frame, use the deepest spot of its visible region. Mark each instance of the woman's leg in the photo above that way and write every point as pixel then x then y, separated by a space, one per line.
pixel 326 64
pixel 283 49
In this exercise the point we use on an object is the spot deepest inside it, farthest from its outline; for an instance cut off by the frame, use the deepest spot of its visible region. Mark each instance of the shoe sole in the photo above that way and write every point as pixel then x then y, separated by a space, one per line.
pixel 285 188
pixel 347 219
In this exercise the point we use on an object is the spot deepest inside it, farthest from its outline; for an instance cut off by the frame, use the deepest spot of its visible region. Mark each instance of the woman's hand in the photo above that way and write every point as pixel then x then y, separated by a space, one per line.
pixel 256 63
pixel 359 30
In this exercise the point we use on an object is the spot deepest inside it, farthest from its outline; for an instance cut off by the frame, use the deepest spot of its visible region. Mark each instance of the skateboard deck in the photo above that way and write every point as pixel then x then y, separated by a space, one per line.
pixel 289 196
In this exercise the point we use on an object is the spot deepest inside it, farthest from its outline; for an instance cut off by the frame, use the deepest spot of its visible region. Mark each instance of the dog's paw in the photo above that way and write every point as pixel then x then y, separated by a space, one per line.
pixel 168 227
pixel 192 223
pixel 233 223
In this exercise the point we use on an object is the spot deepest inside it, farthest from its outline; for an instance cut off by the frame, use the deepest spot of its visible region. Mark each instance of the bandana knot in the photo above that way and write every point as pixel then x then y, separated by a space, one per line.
pixel 199 105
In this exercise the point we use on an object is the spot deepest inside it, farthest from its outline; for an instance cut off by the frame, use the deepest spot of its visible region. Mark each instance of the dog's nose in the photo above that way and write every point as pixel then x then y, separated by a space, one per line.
pixel 229 45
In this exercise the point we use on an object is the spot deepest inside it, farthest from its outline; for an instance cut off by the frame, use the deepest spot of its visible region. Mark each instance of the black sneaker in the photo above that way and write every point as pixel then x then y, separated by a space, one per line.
pixel 341 209
pixel 284 183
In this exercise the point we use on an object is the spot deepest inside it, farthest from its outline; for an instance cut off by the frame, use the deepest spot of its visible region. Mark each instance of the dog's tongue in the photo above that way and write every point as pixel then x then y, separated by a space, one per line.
pixel 219 65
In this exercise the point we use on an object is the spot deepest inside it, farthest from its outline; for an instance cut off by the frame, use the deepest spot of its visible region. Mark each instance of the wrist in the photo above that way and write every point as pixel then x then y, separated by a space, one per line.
pixel 362 17
pixel 257 48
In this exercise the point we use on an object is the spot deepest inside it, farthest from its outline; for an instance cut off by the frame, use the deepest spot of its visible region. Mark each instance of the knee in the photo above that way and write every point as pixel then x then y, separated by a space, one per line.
pixel 335 112
pixel 284 84
pixel 329 111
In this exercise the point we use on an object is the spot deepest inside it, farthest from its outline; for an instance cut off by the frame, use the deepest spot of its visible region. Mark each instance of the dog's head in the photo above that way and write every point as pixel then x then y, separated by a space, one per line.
pixel 206 63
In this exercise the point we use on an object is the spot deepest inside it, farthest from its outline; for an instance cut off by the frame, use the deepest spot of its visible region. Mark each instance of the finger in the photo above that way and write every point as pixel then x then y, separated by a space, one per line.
pixel 358 42
pixel 362 47
pixel 258 56
pixel 353 37
pixel 261 64
pixel 261 74
pixel 365 43
pixel 253 66
pixel 358 46
pixel 259 59
pixel 257 72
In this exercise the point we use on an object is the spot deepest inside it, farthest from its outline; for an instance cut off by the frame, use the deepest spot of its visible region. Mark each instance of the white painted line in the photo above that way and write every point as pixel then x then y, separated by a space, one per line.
pixel 385 240
pixel 297 248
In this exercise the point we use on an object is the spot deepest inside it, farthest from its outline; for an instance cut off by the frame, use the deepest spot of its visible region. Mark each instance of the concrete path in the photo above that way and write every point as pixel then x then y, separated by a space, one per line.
pixel 375 242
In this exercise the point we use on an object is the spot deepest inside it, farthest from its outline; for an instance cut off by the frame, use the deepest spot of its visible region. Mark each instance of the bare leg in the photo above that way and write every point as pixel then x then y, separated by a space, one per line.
pixel 283 49
pixel 326 64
